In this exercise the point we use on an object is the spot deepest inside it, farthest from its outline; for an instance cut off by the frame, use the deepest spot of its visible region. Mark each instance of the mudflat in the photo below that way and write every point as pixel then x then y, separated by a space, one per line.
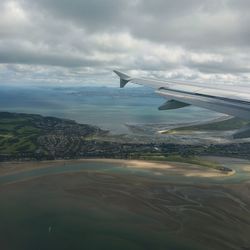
pixel 122 205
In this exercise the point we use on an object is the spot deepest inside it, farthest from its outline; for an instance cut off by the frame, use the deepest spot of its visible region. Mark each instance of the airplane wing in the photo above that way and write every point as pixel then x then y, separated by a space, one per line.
pixel 231 100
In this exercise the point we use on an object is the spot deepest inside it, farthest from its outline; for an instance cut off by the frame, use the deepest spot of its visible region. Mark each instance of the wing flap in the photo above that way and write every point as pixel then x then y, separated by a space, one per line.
pixel 173 104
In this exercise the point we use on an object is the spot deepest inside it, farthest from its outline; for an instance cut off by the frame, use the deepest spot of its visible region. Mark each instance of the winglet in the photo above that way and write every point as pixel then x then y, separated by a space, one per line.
pixel 124 79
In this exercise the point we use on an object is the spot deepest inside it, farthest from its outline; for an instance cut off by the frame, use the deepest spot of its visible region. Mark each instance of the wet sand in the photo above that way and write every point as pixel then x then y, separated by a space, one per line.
pixel 124 204
pixel 95 209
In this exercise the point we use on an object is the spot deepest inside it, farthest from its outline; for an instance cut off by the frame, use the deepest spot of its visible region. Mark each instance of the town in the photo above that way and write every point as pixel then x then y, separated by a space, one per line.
pixel 34 137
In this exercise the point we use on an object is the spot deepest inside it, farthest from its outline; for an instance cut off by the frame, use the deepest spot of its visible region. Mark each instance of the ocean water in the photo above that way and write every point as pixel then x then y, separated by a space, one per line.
pixel 107 107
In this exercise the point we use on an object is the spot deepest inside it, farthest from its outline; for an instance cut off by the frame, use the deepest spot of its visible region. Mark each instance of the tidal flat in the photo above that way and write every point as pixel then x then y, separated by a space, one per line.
pixel 113 204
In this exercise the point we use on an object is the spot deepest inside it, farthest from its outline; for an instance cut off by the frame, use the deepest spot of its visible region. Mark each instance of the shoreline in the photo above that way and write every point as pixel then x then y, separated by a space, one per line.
pixel 158 167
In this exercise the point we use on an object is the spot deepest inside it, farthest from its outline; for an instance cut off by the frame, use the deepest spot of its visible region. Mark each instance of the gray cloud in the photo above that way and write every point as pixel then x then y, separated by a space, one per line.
pixel 195 39
pixel 191 23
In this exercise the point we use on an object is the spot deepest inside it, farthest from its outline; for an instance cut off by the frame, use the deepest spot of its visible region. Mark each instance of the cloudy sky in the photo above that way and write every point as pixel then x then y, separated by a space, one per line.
pixel 82 41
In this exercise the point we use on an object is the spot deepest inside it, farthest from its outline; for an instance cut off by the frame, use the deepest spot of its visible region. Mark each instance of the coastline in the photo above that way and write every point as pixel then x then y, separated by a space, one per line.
pixel 158 167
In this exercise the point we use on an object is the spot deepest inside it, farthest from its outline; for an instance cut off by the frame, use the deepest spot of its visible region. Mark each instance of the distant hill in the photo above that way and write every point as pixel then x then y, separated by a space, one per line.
pixel 35 136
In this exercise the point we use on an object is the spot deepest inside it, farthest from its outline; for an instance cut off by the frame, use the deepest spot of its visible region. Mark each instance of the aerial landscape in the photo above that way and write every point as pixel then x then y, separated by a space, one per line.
pixel 73 181
pixel 89 163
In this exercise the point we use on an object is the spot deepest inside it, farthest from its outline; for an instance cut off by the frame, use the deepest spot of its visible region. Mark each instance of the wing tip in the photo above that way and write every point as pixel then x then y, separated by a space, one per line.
pixel 124 79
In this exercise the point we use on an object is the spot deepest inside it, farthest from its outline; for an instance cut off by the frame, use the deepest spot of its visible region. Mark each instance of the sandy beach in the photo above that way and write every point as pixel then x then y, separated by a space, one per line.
pixel 184 169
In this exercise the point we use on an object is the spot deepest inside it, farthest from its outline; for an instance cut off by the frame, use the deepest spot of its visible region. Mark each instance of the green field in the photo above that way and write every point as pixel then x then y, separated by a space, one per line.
pixel 18 133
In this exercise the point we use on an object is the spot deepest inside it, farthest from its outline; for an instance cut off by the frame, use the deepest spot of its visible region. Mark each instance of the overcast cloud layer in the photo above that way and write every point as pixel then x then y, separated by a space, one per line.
pixel 80 41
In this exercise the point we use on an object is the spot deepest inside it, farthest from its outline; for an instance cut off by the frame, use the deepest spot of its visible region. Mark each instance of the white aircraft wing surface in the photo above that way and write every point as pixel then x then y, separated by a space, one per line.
pixel 231 100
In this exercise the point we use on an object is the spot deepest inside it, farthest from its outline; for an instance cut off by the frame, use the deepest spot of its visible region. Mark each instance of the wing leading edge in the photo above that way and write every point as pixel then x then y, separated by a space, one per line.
pixel 233 101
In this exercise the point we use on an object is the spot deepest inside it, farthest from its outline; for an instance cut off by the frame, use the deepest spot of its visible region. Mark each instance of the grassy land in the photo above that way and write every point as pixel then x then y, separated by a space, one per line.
pixel 17 133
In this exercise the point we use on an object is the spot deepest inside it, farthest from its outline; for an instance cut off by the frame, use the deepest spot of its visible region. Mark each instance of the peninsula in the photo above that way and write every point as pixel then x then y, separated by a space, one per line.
pixel 34 137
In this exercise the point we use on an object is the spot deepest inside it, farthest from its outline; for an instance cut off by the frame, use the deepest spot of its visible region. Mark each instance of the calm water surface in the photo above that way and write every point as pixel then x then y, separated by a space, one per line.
pixel 109 108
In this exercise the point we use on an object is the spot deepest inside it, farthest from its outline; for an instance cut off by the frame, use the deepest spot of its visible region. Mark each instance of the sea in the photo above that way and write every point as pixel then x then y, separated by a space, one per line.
pixel 110 108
